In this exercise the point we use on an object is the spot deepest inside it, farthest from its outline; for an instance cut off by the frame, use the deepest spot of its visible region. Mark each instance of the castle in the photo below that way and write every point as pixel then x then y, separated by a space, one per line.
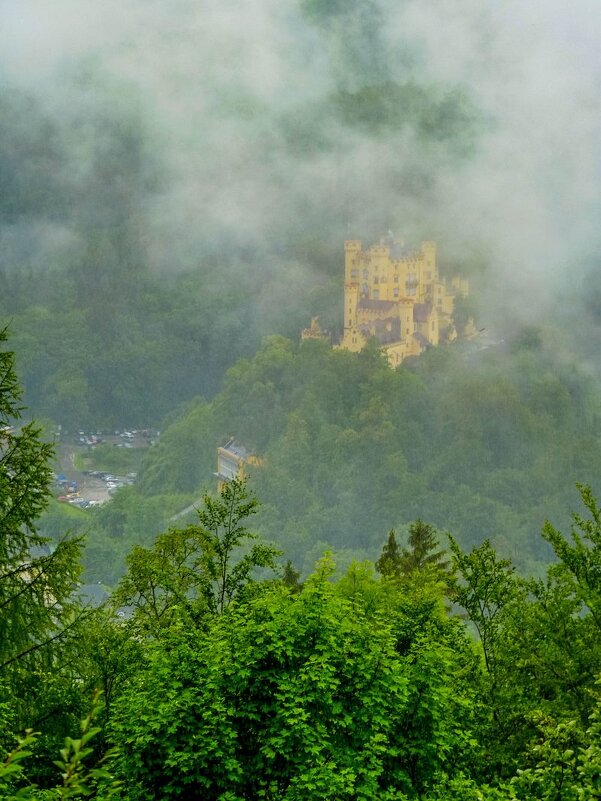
pixel 397 296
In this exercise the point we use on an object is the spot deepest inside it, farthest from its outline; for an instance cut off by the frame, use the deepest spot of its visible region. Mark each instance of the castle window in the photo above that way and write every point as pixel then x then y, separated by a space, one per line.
pixel 376 294
pixel 395 292
pixel 383 279
pixel 364 289
pixel 354 273
pixel 376 280
pixel 366 274
pixel 396 279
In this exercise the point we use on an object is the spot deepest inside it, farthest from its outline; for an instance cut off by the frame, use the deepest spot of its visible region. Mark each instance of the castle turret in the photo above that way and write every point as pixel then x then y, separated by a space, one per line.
pixel 405 310
pixel 429 253
pixel 352 249
pixel 351 301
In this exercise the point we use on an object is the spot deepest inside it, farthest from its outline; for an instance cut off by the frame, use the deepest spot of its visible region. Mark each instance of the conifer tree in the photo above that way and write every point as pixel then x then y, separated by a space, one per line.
pixel 422 552
pixel 420 555
pixel 38 608
pixel 389 562
pixel 291 577
pixel 37 578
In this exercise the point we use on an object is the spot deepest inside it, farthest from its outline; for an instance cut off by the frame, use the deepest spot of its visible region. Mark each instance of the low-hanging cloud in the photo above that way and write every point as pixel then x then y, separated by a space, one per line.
pixel 225 113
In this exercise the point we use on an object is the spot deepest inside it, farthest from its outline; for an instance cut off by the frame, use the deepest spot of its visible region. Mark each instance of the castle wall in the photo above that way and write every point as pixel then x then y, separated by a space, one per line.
pixel 390 272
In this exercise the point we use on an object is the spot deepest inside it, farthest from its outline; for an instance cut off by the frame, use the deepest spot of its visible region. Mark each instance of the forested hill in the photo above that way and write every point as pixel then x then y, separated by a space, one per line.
pixel 143 252
pixel 482 441
pixel 216 672
pixel 373 612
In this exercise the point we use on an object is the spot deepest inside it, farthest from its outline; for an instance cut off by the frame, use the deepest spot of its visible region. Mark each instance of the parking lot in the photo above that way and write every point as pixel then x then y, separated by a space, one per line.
pixel 89 488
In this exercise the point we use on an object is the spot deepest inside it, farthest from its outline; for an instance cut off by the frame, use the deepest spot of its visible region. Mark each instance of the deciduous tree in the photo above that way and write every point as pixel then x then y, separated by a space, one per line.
pixel 198 570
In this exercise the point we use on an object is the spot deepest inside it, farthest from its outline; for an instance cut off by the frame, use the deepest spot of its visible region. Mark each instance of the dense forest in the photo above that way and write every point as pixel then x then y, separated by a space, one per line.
pixel 154 227
pixel 224 676
pixel 477 440
pixel 400 600
pixel 105 340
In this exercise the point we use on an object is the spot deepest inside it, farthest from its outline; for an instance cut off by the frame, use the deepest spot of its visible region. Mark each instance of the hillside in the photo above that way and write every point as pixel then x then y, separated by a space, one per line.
pixel 482 441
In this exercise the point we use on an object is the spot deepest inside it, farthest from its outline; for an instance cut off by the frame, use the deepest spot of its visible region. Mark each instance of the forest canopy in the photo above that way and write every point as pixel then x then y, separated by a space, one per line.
pixel 475 441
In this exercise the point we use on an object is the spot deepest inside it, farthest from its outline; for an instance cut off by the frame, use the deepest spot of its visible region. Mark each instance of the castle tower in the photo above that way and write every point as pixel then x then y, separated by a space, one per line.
pixel 352 249
pixel 351 301
pixel 405 309
pixel 428 250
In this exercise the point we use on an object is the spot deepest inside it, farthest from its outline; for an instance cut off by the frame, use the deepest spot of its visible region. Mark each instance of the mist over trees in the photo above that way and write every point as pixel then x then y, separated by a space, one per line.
pixel 476 441
pixel 383 619
pixel 177 185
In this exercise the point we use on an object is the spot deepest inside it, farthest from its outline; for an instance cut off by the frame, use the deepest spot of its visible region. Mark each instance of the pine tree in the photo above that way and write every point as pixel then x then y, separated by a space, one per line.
pixel 37 577
pixel 291 577
pixel 389 563
pixel 422 552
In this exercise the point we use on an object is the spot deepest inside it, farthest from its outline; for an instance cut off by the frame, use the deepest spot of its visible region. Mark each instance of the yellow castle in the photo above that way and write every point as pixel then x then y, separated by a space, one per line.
pixel 397 296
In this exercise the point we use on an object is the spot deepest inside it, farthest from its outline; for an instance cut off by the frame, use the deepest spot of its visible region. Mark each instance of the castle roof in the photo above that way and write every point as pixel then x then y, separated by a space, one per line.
pixel 422 312
pixel 376 305
pixel 423 341
pixel 386 331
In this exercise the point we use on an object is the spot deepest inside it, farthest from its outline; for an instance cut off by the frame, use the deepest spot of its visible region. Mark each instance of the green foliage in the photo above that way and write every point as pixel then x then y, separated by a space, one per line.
pixel 114 528
pixel 291 577
pixel 352 448
pixel 295 696
pixel 196 571
pixel 353 688
pixel 581 558
pixel 422 553
pixel 108 657
pixel 464 310
pixel 485 585
pixel 37 577
pixel 435 114
pixel 222 527
pixel 78 780
pixel 113 459
pixel 184 456
pixel 389 561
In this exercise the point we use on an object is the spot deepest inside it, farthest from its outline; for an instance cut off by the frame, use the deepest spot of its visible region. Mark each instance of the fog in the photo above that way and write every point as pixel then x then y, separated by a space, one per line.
pixel 209 128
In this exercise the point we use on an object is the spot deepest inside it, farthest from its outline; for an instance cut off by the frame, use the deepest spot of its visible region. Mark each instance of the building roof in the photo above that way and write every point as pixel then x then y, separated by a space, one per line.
pixel 237 450
pixel 376 305
pixel 423 341
pixel 386 331
pixel 422 312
